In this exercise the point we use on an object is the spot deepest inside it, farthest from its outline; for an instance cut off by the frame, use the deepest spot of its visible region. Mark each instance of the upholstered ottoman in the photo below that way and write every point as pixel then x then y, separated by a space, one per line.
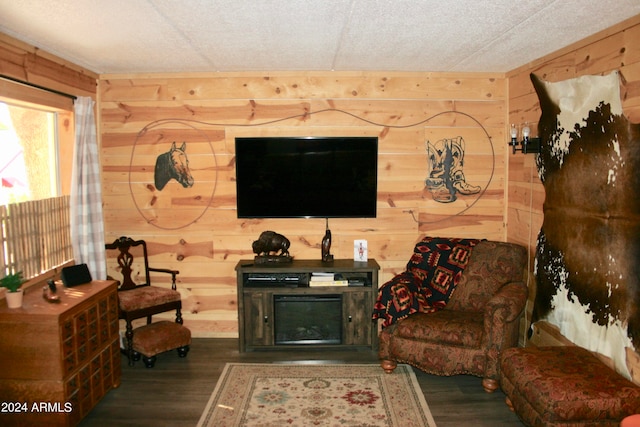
pixel 565 386
pixel 155 338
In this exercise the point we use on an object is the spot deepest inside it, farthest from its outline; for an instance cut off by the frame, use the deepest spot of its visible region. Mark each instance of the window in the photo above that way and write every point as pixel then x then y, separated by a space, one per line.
pixel 29 168
pixel 36 136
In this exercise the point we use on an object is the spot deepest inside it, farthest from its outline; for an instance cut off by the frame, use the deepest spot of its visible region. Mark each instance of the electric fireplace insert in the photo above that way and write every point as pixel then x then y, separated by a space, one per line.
pixel 308 319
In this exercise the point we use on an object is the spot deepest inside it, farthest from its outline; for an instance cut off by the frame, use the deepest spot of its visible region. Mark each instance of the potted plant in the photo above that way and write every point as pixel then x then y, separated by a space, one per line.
pixel 14 293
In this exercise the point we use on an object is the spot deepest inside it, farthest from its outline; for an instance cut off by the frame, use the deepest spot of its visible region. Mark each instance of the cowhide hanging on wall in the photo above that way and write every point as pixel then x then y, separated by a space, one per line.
pixel 588 254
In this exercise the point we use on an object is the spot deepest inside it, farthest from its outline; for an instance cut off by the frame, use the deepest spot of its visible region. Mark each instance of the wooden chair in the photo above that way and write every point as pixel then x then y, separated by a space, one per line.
pixel 140 300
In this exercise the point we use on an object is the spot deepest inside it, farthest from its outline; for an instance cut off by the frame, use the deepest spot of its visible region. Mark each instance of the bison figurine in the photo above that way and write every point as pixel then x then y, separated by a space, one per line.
pixel 270 243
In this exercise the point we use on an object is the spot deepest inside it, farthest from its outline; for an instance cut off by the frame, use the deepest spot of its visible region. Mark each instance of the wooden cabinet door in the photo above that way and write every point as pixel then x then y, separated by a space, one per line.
pixel 258 318
pixel 356 318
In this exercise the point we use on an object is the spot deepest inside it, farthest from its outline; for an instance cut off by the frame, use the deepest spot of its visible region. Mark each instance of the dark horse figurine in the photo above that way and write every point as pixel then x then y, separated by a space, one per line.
pixel 173 164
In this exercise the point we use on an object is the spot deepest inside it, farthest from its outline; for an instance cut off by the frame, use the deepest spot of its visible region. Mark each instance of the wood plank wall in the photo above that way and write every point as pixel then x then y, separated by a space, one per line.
pixel 196 230
pixel 27 63
pixel 616 48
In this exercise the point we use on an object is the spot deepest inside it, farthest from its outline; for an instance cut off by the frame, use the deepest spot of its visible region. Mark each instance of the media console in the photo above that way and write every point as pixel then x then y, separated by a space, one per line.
pixel 277 308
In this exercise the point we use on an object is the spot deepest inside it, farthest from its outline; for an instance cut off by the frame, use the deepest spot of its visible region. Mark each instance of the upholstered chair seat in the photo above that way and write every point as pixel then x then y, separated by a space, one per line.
pixel 451 327
pixel 146 296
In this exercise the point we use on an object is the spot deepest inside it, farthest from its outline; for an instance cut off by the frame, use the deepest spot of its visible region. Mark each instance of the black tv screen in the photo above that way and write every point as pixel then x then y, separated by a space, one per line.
pixel 306 177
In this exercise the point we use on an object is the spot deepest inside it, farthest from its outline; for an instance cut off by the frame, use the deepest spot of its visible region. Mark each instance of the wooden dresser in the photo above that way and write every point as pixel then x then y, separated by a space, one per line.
pixel 57 360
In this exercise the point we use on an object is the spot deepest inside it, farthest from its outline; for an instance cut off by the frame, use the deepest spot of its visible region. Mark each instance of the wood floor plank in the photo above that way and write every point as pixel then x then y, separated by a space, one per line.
pixel 176 391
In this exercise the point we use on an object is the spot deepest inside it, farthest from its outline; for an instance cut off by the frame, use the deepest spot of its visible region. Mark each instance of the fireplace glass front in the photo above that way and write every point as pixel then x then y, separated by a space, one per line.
pixel 308 319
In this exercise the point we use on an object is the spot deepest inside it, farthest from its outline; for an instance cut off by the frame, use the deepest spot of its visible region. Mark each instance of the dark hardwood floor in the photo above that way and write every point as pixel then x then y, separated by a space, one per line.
pixel 176 391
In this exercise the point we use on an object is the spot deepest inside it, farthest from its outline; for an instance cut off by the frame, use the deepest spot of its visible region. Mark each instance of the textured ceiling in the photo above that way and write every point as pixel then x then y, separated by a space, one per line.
pixel 147 36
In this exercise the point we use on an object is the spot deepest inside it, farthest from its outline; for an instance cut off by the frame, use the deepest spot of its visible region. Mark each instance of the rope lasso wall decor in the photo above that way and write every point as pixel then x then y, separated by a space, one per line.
pixel 192 124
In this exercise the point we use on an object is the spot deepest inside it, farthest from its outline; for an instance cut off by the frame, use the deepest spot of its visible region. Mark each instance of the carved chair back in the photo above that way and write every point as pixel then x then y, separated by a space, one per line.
pixel 125 246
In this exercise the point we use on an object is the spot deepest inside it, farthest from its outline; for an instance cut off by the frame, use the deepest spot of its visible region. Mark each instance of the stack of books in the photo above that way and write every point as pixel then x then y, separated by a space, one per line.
pixel 327 279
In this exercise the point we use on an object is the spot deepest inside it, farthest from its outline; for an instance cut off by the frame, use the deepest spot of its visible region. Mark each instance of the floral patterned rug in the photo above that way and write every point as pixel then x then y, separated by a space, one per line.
pixel 276 395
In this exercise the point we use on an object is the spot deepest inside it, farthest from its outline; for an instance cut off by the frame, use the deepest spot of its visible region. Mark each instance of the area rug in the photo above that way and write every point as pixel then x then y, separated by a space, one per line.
pixel 300 395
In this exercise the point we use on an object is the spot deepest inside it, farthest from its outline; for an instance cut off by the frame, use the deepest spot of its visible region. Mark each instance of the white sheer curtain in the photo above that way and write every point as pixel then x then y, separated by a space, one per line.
pixel 87 229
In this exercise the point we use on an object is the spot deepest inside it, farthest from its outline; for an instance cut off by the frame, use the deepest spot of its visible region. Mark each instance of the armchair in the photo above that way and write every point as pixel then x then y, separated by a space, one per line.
pixel 464 331
pixel 140 300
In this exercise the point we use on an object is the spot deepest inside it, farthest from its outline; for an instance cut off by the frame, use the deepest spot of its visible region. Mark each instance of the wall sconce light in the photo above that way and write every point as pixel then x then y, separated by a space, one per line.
pixel 529 144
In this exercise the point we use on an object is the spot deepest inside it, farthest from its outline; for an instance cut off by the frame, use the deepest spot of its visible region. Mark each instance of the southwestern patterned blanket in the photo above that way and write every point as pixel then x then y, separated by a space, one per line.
pixel 432 274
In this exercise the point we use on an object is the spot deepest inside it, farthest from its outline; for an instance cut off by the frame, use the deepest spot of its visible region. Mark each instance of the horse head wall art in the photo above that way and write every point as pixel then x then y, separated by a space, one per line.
pixel 173 164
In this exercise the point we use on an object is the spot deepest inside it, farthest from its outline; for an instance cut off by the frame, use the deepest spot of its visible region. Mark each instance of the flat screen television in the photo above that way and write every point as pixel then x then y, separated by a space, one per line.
pixel 306 177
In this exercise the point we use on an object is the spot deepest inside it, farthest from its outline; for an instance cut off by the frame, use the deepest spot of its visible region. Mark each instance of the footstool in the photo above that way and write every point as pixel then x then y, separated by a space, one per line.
pixel 565 386
pixel 155 338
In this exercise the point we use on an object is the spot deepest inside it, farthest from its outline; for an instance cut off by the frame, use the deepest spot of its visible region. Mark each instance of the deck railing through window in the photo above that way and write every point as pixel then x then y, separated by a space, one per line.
pixel 35 236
